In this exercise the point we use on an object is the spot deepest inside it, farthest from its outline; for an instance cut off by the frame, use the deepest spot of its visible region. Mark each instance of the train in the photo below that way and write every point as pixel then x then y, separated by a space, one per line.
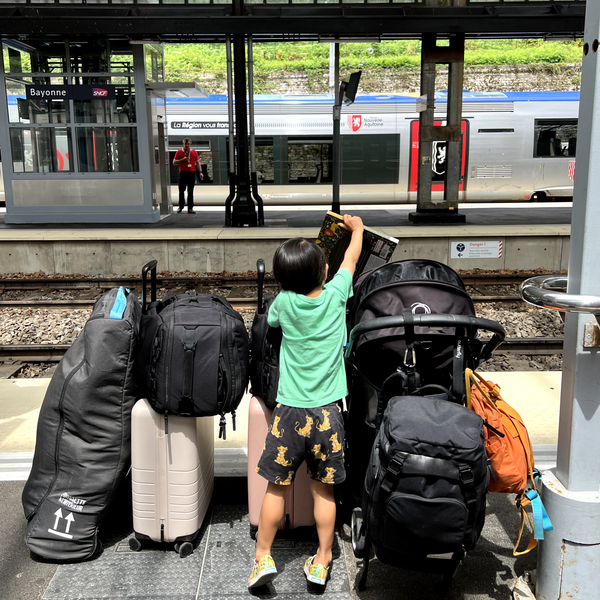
pixel 516 146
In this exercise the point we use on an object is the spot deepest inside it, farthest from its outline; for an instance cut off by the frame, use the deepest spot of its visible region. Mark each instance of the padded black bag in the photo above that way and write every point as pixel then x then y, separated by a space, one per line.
pixel 82 449
pixel 264 348
pixel 426 485
pixel 194 356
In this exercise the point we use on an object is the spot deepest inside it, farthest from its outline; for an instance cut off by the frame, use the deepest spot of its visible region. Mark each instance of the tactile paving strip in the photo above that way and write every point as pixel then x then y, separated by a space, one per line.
pixel 218 568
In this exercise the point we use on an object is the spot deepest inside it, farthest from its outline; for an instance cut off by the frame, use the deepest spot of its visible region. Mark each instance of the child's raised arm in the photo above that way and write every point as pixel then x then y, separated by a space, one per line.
pixel 354 225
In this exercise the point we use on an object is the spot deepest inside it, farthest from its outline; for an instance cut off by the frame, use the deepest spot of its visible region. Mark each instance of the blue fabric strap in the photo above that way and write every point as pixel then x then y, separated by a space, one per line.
pixel 119 306
pixel 541 520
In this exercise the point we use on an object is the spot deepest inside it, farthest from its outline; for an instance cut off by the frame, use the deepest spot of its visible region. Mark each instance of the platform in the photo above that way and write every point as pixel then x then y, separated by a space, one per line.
pixel 219 566
pixel 528 236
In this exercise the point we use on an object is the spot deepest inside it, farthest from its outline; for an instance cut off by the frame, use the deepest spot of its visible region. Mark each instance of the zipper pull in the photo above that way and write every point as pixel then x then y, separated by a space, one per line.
pixel 233 419
pixel 222 427
pixel 166 424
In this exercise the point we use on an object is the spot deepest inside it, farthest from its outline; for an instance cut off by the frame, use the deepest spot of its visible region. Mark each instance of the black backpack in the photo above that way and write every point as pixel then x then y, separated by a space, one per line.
pixel 265 347
pixel 82 449
pixel 194 356
pixel 425 489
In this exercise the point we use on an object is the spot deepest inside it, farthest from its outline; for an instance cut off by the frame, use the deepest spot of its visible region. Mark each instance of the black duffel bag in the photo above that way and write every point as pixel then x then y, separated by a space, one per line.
pixel 194 355
pixel 82 449
pixel 264 348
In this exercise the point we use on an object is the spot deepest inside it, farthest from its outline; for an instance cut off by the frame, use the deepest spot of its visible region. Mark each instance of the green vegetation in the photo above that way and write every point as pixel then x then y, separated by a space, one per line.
pixel 306 56
pixel 190 61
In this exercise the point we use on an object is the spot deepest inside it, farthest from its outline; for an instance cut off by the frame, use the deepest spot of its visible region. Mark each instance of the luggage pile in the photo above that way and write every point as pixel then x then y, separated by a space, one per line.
pixel 139 388
pixel 143 382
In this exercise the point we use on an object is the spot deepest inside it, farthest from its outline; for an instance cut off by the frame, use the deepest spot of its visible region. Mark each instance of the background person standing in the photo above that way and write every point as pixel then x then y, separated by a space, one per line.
pixel 187 160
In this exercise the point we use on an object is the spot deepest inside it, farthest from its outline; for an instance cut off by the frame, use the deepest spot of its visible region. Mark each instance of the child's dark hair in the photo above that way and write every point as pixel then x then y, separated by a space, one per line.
pixel 299 265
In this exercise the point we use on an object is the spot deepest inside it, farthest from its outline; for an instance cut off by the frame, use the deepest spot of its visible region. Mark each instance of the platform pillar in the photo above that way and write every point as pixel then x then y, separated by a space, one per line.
pixel 569 556
pixel 448 137
pixel 243 208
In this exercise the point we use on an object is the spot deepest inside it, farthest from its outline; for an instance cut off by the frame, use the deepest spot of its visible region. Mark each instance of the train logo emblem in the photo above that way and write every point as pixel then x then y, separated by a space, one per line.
pixel 99 93
pixel 572 170
pixel 354 122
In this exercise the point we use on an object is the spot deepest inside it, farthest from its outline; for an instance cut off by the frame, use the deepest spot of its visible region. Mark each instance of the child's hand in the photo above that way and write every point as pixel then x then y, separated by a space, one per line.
pixel 352 223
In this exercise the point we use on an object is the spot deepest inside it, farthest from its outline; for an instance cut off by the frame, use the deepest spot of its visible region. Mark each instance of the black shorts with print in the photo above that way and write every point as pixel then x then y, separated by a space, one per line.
pixel 314 435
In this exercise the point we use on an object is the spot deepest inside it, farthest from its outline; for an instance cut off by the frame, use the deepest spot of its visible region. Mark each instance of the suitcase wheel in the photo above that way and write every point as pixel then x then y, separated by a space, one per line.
pixel 184 549
pixel 358 533
pixel 135 544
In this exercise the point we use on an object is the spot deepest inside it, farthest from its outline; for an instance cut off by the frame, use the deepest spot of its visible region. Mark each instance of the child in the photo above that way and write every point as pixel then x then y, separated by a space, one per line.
pixel 307 422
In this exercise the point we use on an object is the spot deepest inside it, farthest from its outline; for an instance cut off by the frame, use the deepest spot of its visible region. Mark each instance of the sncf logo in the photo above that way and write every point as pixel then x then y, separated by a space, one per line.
pixel 418 308
pixel 99 93
pixel 354 122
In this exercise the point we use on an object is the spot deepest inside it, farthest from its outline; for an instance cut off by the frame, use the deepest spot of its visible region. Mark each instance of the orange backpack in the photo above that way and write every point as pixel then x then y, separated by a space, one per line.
pixel 510 453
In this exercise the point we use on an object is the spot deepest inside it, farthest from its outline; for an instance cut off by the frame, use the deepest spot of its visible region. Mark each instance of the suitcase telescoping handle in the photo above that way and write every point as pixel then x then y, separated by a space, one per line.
pixel 260 272
pixel 433 321
pixel 150 266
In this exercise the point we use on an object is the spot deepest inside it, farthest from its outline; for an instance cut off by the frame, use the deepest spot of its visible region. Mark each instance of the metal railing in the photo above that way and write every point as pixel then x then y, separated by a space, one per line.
pixel 441 3
pixel 544 291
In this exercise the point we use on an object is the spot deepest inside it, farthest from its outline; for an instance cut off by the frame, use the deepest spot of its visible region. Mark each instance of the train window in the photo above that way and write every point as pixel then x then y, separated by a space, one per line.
pixel 368 159
pixel 107 149
pixel 265 161
pixel 40 149
pixel 555 137
pixel 496 131
pixel 309 160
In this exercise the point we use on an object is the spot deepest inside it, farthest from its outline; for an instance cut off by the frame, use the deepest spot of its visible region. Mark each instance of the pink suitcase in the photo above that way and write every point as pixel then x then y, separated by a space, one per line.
pixel 299 503
pixel 172 476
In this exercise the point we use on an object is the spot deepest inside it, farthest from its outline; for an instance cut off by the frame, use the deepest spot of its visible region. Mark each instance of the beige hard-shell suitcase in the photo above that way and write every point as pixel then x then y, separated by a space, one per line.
pixel 299 505
pixel 172 476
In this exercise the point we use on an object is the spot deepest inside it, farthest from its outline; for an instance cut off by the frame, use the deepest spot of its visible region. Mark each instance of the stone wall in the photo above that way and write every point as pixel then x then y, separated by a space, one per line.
pixel 520 78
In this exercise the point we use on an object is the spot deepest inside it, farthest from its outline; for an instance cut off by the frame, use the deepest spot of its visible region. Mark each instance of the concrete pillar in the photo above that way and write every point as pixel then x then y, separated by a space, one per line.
pixel 569 556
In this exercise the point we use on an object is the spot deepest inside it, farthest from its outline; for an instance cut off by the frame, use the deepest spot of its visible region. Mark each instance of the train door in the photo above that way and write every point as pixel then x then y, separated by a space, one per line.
pixel 438 159
pixel 555 144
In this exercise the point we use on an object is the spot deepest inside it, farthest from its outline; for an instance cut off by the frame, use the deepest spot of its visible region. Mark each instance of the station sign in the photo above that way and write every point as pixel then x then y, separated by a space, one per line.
pixel 476 249
pixel 71 92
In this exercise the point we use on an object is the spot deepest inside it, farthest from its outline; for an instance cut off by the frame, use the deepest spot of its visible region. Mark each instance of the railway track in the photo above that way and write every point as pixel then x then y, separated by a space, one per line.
pixel 64 283
pixel 54 352
pixel 237 303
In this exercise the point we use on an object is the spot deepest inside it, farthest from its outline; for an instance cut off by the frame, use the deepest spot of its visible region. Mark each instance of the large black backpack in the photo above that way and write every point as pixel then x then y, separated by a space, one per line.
pixel 82 449
pixel 265 347
pixel 425 489
pixel 194 356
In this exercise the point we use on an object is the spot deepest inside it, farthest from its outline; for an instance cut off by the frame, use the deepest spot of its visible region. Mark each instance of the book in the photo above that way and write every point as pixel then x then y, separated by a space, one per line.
pixel 377 248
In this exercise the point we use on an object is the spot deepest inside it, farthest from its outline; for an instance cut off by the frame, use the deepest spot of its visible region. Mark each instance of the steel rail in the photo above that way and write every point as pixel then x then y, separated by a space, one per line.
pixel 54 352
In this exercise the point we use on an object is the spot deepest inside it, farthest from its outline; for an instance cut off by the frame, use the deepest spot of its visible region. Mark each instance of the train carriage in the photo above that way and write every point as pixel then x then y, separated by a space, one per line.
pixel 517 146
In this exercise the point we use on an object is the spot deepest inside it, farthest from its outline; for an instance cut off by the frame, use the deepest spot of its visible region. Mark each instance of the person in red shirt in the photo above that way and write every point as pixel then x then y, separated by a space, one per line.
pixel 187 160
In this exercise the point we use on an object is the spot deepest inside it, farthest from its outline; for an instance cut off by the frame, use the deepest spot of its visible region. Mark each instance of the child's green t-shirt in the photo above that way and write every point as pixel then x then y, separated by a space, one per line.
pixel 311 362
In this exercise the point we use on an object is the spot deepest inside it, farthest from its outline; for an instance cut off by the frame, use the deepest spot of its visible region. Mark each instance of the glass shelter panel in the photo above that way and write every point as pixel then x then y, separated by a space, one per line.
pixel 40 149
pixel 107 149
pixel 120 110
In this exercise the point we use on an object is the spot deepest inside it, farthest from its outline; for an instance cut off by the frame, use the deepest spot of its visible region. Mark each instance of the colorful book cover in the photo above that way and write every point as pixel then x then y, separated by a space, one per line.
pixel 377 247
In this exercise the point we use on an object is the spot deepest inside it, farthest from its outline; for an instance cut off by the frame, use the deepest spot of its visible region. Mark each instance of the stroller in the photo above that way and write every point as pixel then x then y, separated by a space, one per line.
pixel 412 335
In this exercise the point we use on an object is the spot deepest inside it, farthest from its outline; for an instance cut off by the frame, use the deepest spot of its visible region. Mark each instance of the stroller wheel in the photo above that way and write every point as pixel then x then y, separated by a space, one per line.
pixel 358 533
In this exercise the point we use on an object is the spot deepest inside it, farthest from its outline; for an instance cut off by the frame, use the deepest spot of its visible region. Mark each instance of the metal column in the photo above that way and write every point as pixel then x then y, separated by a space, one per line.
pixel 243 209
pixel 446 210
pixel 569 556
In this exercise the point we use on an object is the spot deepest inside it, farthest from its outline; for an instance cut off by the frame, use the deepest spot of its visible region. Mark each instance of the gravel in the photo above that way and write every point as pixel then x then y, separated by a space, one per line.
pixel 43 326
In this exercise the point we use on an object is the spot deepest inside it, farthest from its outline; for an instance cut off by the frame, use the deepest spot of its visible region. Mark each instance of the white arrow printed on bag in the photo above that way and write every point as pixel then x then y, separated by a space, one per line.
pixel 69 519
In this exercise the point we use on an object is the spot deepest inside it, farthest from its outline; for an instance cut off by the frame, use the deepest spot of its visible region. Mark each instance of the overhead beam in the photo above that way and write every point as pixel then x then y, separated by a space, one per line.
pixel 283 22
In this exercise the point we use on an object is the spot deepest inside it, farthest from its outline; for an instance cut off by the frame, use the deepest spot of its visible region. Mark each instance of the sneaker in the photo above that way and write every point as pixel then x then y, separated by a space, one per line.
pixel 191 212
pixel 263 571
pixel 179 210
pixel 316 573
